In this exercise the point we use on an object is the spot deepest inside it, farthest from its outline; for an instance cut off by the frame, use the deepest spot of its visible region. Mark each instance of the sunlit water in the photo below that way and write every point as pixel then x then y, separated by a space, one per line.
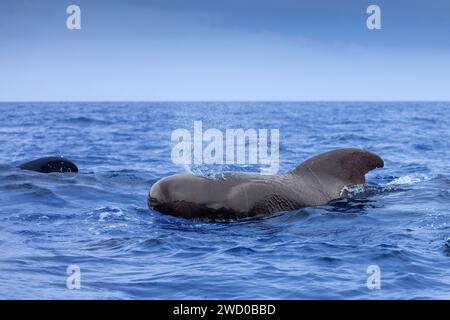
pixel 99 220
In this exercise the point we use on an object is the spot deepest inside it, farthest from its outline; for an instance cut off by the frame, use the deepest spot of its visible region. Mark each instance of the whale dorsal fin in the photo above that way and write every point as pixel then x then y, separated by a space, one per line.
pixel 336 169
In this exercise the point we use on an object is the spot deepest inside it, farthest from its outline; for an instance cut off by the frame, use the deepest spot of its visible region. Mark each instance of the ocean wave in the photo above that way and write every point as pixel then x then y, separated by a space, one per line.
pixel 99 219
pixel 106 213
pixel 86 121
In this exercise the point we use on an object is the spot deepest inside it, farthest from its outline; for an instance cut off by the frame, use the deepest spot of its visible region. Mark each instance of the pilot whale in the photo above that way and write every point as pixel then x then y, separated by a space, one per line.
pixel 316 181
pixel 50 164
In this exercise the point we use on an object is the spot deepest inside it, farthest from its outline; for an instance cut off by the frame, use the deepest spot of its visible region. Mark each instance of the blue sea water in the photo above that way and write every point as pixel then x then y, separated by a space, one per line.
pixel 98 219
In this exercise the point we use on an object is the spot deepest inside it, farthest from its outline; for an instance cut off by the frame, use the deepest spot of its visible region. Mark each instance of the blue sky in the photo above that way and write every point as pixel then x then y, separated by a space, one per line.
pixel 224 50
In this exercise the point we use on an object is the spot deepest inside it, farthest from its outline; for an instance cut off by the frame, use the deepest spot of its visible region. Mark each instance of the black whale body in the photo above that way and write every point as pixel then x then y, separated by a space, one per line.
pixel 50 164
pixel 316 181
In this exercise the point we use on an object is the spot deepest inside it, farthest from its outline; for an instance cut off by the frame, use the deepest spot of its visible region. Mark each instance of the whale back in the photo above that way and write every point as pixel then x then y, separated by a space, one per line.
pixel 332 171
pixel 49 165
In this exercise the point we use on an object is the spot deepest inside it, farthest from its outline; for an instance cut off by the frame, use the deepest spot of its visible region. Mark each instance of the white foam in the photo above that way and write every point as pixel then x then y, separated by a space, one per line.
pixel 352 191
pixel 409 179
pixel 108 212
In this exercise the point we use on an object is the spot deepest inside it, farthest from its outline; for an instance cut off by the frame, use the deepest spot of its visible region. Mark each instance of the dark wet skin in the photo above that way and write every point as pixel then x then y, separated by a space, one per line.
pixel 49 165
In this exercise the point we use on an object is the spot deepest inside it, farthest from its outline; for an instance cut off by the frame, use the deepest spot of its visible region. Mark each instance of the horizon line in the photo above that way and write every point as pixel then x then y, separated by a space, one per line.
pixel 208 101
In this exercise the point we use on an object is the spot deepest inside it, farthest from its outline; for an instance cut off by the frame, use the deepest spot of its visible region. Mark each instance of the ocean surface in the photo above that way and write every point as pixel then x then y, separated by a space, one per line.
pixel 98 219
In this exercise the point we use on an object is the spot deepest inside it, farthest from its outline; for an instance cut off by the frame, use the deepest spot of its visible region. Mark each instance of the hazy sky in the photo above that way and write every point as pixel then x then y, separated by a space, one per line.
pixel 224 50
